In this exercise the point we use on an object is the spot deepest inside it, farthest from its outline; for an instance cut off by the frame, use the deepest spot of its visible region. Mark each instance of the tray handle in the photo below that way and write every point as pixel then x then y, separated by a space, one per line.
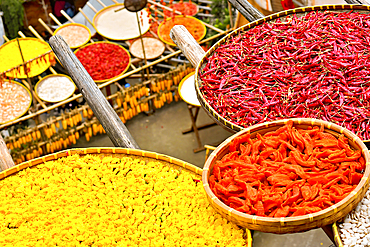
pixel 114 127
pixel 187 44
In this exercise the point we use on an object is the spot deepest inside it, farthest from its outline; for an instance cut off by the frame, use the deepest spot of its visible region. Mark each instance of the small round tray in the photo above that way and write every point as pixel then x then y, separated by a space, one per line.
pixel 56 88
pixel 196 28
pixel 14 100
pixel 69 37
pixel 120 25
pixel 187 90
pixel 153 48
pixel 84 58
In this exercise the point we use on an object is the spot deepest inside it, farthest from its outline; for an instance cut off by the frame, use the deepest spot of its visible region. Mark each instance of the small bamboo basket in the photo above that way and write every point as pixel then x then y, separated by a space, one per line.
pixel 289 224
pixel 119 153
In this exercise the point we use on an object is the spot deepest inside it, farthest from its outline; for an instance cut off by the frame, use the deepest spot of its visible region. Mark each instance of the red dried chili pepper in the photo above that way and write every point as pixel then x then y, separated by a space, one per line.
pixel 103 60
pixel 315 66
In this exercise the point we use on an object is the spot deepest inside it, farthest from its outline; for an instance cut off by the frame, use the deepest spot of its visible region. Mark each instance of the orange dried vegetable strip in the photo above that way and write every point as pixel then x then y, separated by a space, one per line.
pixel 287 172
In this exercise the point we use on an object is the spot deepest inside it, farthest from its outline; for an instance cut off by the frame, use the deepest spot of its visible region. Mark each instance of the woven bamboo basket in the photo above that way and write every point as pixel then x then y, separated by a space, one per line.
pixel 119 153
pixel 210 110
pixel 298 223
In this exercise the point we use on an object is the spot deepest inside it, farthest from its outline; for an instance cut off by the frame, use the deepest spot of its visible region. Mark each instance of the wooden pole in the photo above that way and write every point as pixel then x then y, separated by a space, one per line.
pixel 67 16
pixel 6 160
pixel 187 44
pixel 45 26
pixel 102 4
pixel 35 33
pixel 55 19
pixel 112 124
pixel 28 78
pixel 91 7
pixel 142 44
pixel 247 10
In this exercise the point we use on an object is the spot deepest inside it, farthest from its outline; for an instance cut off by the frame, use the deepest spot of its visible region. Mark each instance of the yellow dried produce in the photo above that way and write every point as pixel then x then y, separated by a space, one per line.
pixel 119 102
pixel 64 124
pixel 93 201
pixel 87 136
pixel 90 112
pixel 38 134
pixel 33 133
pixel 84 113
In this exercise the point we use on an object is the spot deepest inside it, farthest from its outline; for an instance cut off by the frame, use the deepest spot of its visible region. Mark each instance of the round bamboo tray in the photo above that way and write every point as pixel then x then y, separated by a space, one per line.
pixel 118 47
pixel 289 224
pixel 51 76
pixel 164 35
pixel 187 92
pixel 281 15
pixel 74 25
pixel 119 153
pixel 153 48
pixel 120 25
pixel 10 57
pixel 26 108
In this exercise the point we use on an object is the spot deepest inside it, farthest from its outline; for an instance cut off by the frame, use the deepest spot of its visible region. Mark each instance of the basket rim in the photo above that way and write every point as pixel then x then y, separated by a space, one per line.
pixel 337 239
pixel 296 220
pixel 108 42
pixel 99 150
pixel 217 117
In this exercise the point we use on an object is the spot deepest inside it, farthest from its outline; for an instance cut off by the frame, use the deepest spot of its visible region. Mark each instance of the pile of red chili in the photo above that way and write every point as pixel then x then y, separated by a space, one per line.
pixel 315 66
pixel 287 172
pixel 103 60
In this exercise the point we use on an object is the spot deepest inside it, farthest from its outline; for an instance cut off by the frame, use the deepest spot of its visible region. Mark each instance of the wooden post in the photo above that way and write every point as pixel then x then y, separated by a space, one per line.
pixel 247 10
pixel 112 124
pixel 187 44
pixel 6 160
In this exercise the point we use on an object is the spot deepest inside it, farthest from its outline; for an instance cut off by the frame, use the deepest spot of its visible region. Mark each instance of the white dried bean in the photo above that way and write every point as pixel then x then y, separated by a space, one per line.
pixel 355 229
